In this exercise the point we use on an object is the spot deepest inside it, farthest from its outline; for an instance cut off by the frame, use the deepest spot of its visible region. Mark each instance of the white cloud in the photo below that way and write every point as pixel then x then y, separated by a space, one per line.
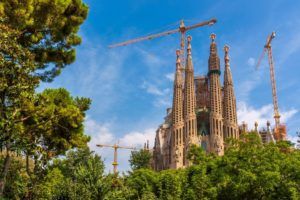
pixel 246 85
pixel 291 46
pixel 251 62
pixel 151 59
pixel 97 73
pixel 136 138
pixel 152 89
pixel 102 134
pixel 285 116
pixel 293 139
pixel 250 115
pixel 162 102
pixel 170 77
pixel 162 96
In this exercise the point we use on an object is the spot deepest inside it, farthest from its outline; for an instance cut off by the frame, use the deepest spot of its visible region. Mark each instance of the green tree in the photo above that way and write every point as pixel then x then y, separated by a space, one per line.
pixel 169 185
pixel 54 125
pixel 17 178
pixel 52 186
pixel 298 140
pixel 17 86
pixel 78 176
pixel 37 40
pixel 141 182
pixel 48 29
pixel 197 155
pixel 115 187
pixel 197 183
pixel 140 159
pixel 252 170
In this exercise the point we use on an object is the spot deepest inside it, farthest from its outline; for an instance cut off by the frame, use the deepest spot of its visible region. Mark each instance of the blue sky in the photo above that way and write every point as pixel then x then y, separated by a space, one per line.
pixel 131 86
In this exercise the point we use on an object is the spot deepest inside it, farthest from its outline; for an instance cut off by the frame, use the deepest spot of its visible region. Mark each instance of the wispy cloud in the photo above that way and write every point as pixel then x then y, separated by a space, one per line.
pixel 102 134
pixel 293 139
pixel 245 88
pixel 152 60
pixel 97 75
pixel 170 76
pixel 251 62
pixel 162 97
pixel 290 46
pixel 152 89
pixel 163 102
pixel 250 115
pixel 137 138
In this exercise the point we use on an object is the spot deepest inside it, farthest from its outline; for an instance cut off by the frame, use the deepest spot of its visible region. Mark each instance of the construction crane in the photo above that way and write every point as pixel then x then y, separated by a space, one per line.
pixel 182 29
pixel 280 129
pixel 115 147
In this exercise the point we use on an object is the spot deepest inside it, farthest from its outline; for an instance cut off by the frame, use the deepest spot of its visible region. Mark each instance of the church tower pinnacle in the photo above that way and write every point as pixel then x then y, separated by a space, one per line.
pixel 190 122
pixel 177 118
pixel 215 116
pixel 229 105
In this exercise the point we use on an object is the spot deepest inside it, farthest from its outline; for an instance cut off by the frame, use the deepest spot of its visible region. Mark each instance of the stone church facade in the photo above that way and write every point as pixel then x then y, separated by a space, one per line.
pixel 203 111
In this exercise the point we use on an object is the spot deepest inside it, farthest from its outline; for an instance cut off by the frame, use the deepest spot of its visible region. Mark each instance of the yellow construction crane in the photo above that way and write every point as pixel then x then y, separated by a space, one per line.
pixel 115 147
pixel 182 29
pixel 280 129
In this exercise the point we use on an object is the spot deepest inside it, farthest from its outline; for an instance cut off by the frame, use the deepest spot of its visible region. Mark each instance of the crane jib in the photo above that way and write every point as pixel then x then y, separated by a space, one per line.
pixel 181 29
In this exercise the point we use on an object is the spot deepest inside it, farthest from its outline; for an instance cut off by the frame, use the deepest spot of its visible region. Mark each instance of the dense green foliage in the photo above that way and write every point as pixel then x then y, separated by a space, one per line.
pixel 248 170
pixel 44 152
pixel 78 176
pixel 140 159
pixel 37 40
pixel 17 86
pixel 48 29
pixel 55 124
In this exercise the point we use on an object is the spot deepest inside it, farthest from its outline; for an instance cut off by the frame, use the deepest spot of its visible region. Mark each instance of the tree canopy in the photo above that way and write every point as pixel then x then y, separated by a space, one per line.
pixel 44 152
pixel 54 125
pixel 140 159
pixel 248 170
pixel 48 29
pixel 37 40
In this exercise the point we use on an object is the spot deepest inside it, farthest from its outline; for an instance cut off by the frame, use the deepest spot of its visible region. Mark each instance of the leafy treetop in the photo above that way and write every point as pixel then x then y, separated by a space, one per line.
pixel 48 29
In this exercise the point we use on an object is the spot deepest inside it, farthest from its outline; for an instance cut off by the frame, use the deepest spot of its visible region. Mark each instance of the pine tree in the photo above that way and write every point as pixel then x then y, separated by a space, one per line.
pixel 48 29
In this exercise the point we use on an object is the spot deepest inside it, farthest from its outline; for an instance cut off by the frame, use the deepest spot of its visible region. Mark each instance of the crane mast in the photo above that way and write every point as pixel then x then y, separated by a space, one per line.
pixel 182 30
pixel 274 90
pixel 115 147
pixel 268 49
pixel 280 131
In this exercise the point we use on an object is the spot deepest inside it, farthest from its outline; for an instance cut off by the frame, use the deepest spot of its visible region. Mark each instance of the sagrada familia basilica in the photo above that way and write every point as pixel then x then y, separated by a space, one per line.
pixel 203 112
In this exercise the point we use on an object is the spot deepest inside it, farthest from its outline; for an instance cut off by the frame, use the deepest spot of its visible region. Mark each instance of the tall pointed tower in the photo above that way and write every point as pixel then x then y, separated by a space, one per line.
pixel 190 126
pixel 177 118
pixel 215 118
pixel 229 113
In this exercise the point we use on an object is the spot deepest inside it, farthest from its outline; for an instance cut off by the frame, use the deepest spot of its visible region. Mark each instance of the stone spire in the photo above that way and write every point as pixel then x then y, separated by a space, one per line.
pixel 215 117
pixel 270 137
pixel 229 102
pixel 256 130
pixel 256 127
pixel 214 60
pixel 177 118
pixel 190 121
